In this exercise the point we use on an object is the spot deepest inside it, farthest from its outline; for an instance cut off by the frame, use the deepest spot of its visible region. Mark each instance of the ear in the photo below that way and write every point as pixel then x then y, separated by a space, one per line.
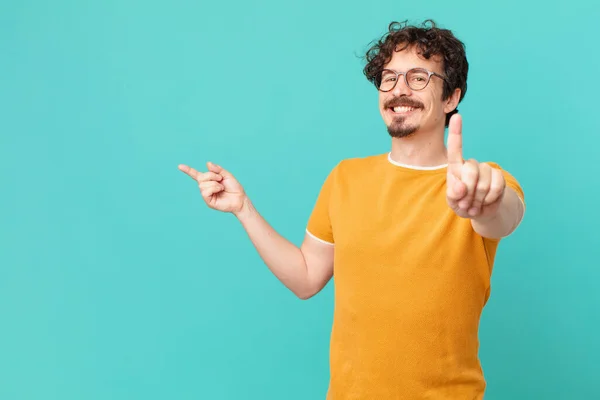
pixel 452 102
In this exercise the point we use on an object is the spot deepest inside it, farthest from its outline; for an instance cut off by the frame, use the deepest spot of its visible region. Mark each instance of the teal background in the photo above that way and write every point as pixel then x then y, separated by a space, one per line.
pixel 116 282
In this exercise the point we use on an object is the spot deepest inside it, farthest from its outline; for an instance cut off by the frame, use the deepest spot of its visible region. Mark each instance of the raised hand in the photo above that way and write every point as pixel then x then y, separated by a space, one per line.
pixel 474 190
pixel 219 189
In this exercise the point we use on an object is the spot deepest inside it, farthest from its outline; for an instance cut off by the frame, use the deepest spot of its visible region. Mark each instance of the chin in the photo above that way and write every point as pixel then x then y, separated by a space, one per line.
pixel 401 129
pixel 404 133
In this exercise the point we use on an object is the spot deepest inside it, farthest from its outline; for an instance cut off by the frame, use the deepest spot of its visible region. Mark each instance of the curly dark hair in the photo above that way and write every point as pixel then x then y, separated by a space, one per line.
pixel 429 41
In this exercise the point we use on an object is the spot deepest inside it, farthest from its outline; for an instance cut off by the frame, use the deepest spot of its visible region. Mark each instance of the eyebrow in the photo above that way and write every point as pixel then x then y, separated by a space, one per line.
pixel 408 69
pixel 384 70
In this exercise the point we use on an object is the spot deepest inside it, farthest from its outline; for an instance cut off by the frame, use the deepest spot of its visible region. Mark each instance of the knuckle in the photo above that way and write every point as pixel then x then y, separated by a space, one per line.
pixel 483 188
pixel 207 176
pixel 205 186
pixel 201 177
pixel 496 190
pixel 497 186
pixel 470 171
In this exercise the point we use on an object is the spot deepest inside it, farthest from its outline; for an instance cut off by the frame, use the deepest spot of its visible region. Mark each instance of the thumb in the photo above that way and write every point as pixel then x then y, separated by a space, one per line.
pixel 218 170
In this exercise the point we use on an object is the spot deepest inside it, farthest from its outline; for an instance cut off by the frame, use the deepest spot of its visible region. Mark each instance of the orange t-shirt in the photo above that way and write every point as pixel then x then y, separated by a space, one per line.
pixel 411 279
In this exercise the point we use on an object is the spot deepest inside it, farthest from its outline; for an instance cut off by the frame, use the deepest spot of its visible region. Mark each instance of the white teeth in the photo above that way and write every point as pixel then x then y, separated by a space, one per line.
pixel 403 109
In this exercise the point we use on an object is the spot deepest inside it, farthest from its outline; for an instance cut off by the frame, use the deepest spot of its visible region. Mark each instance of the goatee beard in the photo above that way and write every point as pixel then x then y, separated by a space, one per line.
pixel 397 129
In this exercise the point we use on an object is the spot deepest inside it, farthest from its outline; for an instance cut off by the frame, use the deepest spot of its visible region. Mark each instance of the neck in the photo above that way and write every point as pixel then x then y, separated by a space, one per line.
pixel 420 149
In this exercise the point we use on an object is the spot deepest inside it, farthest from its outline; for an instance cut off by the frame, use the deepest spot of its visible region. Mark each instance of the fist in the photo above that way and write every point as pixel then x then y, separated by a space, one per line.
pixel 474 190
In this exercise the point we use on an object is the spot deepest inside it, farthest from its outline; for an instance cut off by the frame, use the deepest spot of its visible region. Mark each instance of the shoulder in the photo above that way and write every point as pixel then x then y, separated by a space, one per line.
pixel 354 169
pixel 496 165
pixel 357 166
pixel 510 179
pixel 492 164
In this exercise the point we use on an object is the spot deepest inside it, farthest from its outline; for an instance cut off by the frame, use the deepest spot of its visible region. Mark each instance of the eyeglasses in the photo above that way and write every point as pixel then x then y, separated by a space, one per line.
pixel 416 79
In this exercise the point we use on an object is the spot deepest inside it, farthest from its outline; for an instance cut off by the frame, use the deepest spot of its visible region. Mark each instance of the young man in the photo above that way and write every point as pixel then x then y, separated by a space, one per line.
pixel 414 233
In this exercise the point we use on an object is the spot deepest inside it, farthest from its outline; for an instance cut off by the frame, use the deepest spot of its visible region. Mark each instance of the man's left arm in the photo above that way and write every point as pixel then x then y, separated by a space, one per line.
pixel 490 197
pixel 506 219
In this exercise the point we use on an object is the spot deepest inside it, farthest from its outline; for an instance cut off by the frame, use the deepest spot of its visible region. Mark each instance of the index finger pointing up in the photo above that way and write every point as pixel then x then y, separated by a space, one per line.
pixel 455 158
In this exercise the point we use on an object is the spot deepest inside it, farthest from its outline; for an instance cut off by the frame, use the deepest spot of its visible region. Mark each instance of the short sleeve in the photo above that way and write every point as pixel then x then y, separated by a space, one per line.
pixel 511 182
pixel 319 222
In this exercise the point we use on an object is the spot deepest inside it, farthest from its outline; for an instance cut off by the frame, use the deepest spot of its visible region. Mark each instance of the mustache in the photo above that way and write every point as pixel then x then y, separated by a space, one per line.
pixel 402 102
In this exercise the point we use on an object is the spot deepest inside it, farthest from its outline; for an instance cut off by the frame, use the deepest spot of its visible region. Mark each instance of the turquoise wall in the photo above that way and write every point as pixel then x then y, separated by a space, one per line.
pixel 116 282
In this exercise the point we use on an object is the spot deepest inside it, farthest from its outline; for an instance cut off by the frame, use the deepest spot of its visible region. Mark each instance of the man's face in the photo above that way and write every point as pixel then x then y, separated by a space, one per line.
pixel 406 111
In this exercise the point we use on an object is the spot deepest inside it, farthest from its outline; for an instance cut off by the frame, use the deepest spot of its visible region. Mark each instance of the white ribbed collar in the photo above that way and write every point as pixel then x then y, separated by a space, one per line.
pixel 417 167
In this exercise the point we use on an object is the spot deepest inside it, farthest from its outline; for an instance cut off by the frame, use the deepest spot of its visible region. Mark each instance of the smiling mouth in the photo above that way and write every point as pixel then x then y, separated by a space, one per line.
pixel 402 109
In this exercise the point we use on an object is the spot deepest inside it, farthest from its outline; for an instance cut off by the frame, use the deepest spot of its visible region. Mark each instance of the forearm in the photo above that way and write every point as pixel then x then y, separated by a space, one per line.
pixel 283 258
pixel 505 220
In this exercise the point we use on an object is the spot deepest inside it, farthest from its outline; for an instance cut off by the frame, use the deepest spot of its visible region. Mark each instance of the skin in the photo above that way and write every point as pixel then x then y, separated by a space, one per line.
pixel 425 147
pixel 305 270
pixel 474 190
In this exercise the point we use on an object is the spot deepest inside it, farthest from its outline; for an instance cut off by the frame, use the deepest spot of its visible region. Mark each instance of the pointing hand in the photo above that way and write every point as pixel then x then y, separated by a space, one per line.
pixel 219 189
pixel 474 190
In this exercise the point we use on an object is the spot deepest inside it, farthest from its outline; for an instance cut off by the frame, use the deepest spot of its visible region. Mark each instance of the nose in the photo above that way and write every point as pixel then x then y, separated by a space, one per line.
pixel 401 87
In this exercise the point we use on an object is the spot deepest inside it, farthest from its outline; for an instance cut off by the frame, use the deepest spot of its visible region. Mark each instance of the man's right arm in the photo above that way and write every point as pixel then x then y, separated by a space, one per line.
pixel 305 270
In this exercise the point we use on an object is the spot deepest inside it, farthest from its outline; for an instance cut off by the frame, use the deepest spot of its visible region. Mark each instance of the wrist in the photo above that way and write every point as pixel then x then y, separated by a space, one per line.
pixel 244 210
